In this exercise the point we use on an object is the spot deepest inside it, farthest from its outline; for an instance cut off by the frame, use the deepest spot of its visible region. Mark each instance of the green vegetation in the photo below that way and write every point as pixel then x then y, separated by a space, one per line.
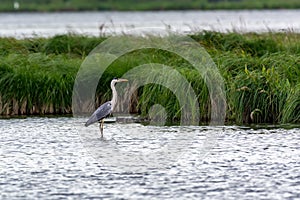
pixel 261 74
pixel 80 5
pixel 37 75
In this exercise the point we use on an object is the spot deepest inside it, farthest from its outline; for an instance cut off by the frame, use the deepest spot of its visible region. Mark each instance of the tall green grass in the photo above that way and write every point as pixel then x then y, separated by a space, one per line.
pixel 37 84
pixel 37 75
pixel 261 74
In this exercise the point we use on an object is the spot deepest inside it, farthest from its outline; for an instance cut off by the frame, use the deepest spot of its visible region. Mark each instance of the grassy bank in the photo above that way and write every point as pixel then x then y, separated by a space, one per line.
pixel 261 74
pixel 75 5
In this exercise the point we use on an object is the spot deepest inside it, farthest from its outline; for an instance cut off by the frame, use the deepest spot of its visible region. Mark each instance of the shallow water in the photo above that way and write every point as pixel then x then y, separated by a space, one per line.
pixel 54 158
pixel 99 23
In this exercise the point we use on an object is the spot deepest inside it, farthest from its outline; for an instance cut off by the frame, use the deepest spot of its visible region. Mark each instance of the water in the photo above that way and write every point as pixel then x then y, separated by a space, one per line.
pixel 90 23
pixel 49 158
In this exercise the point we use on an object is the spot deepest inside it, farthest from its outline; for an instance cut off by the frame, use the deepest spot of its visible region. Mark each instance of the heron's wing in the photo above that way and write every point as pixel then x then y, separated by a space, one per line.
pixel 103 111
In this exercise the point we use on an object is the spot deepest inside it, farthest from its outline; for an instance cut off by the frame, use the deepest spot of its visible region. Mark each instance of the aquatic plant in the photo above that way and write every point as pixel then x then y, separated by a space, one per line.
pixel 261 74
pixel 36 84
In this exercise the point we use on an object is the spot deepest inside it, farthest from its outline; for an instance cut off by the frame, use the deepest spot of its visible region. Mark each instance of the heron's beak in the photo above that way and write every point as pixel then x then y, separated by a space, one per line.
pixel 122 80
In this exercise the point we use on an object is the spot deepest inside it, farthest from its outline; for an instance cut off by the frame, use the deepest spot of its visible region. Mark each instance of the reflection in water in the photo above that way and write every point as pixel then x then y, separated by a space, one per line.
pixel 43 158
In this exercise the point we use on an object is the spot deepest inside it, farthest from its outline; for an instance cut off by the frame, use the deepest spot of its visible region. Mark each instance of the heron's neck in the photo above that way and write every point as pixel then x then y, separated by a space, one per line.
pixel 114 96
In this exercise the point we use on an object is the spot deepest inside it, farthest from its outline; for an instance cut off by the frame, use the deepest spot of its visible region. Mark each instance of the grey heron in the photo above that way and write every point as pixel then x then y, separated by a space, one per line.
pixel 107 108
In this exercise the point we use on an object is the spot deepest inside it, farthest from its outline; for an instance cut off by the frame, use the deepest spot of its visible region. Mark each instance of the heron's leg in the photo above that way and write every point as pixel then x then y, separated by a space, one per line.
pixel 101 127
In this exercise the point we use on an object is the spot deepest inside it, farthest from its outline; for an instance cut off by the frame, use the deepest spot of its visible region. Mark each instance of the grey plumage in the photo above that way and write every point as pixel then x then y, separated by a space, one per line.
pixel 103 111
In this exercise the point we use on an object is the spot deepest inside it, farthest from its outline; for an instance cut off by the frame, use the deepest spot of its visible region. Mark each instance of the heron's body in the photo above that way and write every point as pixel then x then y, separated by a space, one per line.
pixel 105 109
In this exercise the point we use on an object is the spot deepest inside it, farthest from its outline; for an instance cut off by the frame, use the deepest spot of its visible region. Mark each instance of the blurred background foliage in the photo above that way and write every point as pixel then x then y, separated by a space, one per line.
pixel 81 5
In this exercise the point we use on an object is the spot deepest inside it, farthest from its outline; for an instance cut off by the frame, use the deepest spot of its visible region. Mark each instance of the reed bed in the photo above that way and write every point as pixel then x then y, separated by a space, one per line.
pixel 261 74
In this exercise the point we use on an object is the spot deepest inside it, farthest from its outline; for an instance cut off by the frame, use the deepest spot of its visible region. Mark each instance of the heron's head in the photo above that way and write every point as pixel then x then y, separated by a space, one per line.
pixel 117 80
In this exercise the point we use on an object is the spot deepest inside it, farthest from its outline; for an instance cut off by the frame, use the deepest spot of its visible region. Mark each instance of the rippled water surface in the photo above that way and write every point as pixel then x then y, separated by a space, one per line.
pixel 54 158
